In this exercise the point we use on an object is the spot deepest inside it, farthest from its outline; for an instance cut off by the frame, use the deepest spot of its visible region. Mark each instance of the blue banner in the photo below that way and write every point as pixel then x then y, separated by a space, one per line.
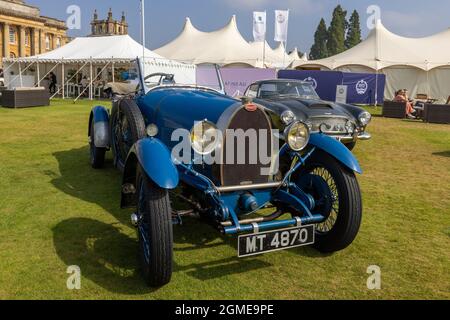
pixel 361 86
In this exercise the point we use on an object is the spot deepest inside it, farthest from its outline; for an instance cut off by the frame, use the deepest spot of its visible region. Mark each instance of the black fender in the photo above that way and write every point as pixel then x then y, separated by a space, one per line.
pixel 100 116
pixel 156 160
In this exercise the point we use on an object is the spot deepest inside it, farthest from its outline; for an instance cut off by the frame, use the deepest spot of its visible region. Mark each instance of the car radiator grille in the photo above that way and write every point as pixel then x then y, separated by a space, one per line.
pixel 329 125
pixel 234 174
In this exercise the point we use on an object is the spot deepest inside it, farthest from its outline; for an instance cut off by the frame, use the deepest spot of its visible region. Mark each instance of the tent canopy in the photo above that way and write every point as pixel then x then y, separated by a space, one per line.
pixel 383 49
pixel 225 46
pixel 110 49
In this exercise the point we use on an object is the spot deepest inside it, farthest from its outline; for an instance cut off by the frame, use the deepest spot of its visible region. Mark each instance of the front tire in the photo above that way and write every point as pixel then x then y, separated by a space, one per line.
pixel 338 198
pixel 350 146
pixel 127 127
pixel 155 231
pixel 97 155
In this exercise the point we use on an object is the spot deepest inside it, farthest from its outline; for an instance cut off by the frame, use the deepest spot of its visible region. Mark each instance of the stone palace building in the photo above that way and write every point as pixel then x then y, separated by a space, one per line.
pixel 25 32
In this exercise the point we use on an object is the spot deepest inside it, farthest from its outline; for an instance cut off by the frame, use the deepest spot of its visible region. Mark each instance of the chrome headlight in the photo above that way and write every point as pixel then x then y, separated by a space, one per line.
pixel 297 136
pixel 287 117
pixel 350 127
pixel 152 130
pixel 204 137
pixel 365 118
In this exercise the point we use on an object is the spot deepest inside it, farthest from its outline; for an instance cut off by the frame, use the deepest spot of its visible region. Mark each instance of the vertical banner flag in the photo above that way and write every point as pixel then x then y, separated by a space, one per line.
pixel 281 25
pixel 259 26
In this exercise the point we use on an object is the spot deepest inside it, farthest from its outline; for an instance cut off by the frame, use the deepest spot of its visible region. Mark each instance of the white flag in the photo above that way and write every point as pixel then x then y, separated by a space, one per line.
pixel 281 25
pixel 259 26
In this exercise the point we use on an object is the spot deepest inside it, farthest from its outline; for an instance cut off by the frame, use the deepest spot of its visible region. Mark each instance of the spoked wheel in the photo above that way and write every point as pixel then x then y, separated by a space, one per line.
pixel 338 198
pixel 97 155
pixel 155 231
pixel 127 127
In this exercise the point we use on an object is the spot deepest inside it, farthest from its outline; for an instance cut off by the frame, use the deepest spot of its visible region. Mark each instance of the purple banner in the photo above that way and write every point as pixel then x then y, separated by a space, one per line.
pixel 237 80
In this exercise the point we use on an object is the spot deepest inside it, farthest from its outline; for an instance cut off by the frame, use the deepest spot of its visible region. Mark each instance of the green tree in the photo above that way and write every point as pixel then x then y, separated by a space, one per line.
pixel 319 49
pixel 354 31
pixel 337 31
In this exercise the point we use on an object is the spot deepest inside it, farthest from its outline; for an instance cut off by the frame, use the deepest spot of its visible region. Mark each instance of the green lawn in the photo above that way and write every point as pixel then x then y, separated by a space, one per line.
pixel 56 211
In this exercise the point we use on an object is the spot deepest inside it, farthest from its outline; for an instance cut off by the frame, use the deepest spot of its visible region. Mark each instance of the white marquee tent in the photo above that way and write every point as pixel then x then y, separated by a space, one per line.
pixel 225 47
pixel 421 65
pixel 88 56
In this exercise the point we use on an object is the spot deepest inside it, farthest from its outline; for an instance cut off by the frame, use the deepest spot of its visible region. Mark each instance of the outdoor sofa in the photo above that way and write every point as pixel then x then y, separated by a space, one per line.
pixel 437 113
pixel 25 97
pixel 393 109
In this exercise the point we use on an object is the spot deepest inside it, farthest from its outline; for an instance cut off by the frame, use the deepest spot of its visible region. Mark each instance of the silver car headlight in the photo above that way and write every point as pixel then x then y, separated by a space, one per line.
pixel 365 118
pixel 204 137
pixel 287 117
pixel 350 127
pixel 297 136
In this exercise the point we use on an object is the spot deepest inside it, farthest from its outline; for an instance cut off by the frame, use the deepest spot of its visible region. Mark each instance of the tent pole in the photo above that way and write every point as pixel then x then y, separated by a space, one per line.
pixel 38 73
pixel 62 80
pixel 22 71
pixel 76 99
pixel 7 68
pixel 20 75
pixel 113 71
pixel 92 80
pixel 376 88
pixel 39 80
pixel 143 35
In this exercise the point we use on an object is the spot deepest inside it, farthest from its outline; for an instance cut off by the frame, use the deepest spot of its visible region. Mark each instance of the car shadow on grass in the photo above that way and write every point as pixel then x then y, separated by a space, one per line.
pixel 104 254
pixel 109 258
pixel 112 260
pixel 442 154
pixel 76 178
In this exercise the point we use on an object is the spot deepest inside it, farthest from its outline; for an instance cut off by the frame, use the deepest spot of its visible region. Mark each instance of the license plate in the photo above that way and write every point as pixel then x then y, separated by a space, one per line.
pixel 259 243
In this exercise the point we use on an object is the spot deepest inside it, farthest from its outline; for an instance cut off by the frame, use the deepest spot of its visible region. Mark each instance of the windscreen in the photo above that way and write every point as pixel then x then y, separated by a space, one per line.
pixel 166 73
pixel 287 89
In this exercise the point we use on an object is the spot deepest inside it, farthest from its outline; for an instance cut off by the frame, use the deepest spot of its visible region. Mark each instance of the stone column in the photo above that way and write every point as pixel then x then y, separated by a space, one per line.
pixel 5 40
pixel 55 40
pixel 42 36
pixel 34 42
pixel 21 41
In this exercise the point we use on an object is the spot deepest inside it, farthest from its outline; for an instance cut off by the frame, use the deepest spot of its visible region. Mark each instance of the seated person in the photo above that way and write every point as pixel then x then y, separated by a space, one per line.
pixel 400 96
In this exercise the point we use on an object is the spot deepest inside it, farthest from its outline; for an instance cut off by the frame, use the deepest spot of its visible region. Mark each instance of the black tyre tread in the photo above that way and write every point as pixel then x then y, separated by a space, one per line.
pixel 350 146
pixel 97 155
pixel 136 121
pixel 159 271
pixel 346 227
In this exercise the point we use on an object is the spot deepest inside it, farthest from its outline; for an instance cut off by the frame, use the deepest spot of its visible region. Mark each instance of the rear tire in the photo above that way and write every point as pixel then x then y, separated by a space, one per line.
pixel 97 155
pixel 343 211
pixel 155 231
pixel 127 127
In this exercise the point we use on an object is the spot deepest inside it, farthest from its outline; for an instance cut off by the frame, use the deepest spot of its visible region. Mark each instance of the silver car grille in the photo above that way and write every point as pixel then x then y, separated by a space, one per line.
pixel 328 125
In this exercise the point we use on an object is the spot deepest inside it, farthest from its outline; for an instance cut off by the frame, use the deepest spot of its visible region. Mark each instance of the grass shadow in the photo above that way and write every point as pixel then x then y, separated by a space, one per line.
pixel 442 154
pixel 105 255
pixel 77 179
pixel 102 187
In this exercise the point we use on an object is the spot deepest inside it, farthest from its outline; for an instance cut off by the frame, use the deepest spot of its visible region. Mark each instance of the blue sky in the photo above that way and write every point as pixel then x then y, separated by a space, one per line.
pixel 165 18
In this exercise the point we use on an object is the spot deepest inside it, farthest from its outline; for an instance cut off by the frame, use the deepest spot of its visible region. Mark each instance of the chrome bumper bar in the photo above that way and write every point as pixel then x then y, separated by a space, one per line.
pixel 249 187
pixel 361 136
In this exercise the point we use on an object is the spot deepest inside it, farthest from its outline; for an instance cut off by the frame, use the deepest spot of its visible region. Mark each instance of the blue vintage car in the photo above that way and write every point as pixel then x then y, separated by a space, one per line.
pixel 306 194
